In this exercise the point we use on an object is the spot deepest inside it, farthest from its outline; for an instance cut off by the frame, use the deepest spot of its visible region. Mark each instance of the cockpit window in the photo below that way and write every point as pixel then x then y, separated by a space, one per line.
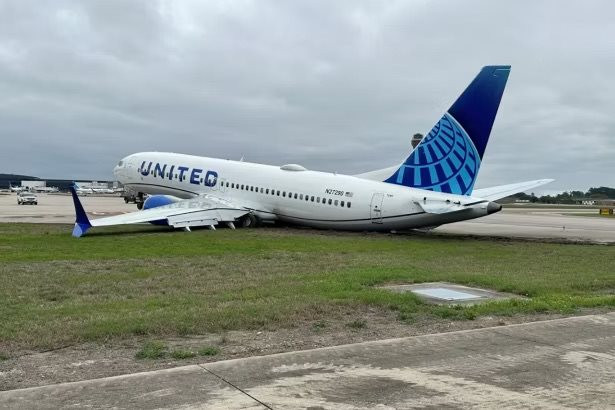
pixel 120 164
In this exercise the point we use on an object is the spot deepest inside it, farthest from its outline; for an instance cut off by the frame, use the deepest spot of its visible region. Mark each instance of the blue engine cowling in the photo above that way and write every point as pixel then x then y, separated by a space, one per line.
pixel 155 201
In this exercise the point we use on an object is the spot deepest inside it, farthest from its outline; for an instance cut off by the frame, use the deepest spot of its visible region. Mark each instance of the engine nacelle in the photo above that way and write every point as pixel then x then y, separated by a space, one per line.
pixel 155 201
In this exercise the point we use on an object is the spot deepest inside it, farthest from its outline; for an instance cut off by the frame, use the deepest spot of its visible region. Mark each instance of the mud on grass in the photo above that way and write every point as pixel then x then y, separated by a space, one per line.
pixel 151 283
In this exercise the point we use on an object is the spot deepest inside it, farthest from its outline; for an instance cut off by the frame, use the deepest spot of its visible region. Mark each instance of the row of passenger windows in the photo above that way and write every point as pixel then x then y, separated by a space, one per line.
pixel 291 195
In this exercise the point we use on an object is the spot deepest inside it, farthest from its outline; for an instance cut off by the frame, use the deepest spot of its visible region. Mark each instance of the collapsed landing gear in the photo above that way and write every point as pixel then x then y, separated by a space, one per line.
pixel 249 221
pixel 139 200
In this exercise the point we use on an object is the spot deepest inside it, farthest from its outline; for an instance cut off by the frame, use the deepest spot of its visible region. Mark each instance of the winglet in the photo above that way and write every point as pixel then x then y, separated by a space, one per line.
pixel 82 223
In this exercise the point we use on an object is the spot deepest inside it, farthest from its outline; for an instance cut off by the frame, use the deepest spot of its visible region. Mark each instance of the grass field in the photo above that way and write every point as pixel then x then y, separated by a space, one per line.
pixel 57 290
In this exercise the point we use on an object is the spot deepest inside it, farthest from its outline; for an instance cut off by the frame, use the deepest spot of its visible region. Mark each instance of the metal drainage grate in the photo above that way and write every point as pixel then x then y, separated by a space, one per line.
pixel 443 293
pixel 446 294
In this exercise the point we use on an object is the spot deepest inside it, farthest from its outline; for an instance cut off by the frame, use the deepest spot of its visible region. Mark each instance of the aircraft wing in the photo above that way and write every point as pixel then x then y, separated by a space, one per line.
pixel 502 191
pixel 204 210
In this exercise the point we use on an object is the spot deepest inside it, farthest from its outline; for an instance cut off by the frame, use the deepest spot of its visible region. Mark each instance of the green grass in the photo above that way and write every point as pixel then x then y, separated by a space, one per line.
pixel 181 354
pixel 208 351
pixel 121 282
pixel 152 350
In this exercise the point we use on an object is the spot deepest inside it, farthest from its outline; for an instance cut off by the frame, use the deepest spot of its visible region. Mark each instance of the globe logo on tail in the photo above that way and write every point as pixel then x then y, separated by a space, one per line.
pixel 445 161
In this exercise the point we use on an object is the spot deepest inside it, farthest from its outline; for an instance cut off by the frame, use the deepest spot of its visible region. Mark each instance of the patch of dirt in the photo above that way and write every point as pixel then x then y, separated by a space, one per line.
pixel 96 360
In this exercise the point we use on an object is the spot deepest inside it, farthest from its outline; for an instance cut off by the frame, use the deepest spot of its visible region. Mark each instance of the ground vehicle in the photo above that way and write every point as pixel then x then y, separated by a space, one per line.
pixel 27 198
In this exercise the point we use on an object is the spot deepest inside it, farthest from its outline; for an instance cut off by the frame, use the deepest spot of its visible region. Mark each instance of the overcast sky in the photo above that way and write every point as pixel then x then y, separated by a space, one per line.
pixel 332 85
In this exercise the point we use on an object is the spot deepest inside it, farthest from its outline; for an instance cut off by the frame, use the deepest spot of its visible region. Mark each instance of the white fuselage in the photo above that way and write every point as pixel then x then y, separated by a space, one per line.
pixel 295 195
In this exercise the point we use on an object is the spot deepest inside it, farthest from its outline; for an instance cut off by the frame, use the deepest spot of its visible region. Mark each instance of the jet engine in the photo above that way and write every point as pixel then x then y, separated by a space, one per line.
pixel 155 201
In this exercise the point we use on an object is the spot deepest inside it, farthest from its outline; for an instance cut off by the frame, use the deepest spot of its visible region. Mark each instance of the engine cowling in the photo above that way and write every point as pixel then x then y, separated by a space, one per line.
pixel 155 201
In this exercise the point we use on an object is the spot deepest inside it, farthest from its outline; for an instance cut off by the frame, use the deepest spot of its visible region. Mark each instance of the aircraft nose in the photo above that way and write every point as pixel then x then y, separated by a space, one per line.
pixel 118 170
pixel 493 207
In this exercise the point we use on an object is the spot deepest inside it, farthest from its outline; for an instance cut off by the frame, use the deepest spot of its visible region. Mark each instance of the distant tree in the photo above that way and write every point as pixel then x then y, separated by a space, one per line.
pixel 601 192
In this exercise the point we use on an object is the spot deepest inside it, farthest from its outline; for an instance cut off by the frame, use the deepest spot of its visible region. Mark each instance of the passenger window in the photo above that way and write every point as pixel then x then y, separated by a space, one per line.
pixel 284 193
pixel 335 202
pixel 267 191
pixel 307 197
pixel 252 188
pixel 201 180
pixel 330 201
pixel 242 186
pixel 262 190
pixel 342 204
pixel 318 199
pixel 312 199
pixel 278 193
pixel 295 195
pixel 301 197
pixel 227 184
pixel 167 174
pixel 348 204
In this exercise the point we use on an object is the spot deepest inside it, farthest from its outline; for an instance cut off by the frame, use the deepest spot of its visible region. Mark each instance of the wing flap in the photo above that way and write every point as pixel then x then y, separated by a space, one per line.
pixel 205 217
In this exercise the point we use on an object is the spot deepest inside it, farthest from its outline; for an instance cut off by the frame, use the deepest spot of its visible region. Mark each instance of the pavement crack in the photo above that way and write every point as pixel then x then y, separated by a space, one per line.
pixel 235 387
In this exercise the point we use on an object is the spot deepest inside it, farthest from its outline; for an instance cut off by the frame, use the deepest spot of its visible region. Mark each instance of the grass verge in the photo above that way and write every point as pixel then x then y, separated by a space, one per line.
pixel 58 290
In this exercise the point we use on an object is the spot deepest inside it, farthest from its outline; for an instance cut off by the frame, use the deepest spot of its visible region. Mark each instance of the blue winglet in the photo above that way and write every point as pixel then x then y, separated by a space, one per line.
pixel 82 223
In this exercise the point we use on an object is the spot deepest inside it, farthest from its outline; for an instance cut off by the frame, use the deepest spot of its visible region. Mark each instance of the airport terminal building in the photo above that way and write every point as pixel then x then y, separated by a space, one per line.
pixel 30 182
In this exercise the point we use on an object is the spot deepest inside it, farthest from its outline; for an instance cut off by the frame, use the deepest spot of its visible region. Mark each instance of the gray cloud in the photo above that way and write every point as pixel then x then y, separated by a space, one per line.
pixel 337 86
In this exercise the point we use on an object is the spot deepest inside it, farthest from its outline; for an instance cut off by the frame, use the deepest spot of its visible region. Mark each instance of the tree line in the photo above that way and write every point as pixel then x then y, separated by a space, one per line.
pixel 568 197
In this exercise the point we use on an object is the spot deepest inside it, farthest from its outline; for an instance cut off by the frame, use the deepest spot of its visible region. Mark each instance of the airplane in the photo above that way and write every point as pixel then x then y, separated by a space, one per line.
pixel 45 189
pixel 82 191
pixel 433 186
pixel 103 190
pixel 16 188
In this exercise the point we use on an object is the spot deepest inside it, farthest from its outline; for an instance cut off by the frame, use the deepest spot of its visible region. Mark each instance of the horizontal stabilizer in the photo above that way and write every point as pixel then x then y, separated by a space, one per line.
pixel 502 191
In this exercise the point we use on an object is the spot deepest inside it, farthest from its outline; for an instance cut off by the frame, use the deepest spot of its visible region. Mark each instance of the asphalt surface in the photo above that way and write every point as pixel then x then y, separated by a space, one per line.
pixel 58 208
pixel 558 364
pixel 518 223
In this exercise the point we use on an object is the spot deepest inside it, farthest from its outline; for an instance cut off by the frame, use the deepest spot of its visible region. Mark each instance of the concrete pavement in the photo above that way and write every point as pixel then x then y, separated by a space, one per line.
pixel 557 364
pixel 538 224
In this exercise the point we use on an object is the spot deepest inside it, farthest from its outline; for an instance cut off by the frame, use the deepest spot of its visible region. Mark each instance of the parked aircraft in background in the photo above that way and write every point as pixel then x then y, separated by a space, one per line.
pixel 82 191
pixel 103 190
pixel 433 186
pixel 44 189
pixel 16 188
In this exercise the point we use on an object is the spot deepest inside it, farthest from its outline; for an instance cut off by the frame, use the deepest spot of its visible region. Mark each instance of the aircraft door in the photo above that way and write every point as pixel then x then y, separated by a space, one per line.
pixel 376 208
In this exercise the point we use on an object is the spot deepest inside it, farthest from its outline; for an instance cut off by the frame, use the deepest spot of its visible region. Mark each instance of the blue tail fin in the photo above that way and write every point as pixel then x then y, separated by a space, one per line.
pixel 449 157
pixel 82 223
